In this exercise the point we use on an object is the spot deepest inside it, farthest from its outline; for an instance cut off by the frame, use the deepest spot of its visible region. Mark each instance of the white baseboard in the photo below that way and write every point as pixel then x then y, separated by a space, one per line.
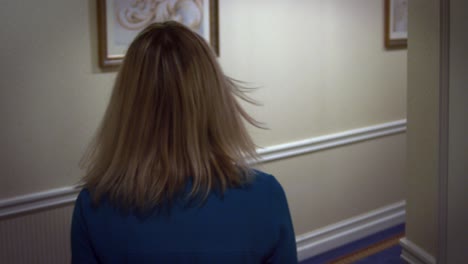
pixel 413 254
pixel 67 195
pixel 344 232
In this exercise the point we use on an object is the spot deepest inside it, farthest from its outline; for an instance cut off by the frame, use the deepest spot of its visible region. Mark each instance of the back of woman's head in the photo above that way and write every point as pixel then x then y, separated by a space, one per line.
pixel 172 118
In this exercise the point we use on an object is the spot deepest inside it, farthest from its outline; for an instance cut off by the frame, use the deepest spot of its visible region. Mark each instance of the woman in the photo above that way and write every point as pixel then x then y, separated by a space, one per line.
pixel 167 174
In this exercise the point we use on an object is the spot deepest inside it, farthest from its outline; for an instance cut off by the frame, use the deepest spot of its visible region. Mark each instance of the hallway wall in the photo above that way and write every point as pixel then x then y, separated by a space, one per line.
pixel 423 123
pixel 320 65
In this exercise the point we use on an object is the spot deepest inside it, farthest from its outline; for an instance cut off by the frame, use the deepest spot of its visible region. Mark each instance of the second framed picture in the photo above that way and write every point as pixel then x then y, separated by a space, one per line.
pixel 396 24
pixel 119 21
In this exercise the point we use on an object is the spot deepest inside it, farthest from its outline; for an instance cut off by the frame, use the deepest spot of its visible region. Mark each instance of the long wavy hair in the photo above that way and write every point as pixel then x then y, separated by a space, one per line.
pixel 173 117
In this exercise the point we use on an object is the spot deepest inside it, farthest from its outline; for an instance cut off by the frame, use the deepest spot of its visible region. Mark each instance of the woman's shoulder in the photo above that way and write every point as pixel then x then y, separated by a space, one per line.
pixel 84 193
pixel 269 185
pixel 266 180
pixel 84 196
pixel 86 202
pixel 262 176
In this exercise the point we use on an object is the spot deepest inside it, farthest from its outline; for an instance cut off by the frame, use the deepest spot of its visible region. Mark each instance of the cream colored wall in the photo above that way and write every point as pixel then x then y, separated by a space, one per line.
pixel 422 134
pixel 52 94
pixel 321 67
pixel 337 184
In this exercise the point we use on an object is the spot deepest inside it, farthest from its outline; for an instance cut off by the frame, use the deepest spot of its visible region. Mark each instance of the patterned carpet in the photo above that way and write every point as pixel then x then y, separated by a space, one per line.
pixel 379 248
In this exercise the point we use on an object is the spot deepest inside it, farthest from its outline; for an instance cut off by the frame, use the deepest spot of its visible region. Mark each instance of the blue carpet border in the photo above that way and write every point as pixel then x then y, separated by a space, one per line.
pixel 355 246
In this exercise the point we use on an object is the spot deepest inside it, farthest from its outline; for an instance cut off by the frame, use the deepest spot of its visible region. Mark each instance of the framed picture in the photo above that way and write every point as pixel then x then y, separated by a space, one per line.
pixel 119 21
pixel 396 23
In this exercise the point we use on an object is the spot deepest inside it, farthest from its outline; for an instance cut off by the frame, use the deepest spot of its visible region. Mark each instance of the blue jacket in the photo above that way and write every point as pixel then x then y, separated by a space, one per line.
pixel 251 224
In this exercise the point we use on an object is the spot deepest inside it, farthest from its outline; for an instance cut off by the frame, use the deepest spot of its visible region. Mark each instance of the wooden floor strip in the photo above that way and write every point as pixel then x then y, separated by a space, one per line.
pixel 362 253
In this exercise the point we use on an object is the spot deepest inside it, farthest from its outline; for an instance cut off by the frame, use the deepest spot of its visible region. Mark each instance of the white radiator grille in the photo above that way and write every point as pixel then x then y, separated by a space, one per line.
pixel 36 237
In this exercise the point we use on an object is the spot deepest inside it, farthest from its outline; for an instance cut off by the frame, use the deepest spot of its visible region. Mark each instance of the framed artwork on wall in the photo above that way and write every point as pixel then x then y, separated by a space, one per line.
pixel 396 24
pixel 119 21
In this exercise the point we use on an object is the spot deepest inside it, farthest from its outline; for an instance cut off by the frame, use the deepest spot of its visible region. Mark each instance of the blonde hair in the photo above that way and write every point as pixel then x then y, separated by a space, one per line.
pixel 172 118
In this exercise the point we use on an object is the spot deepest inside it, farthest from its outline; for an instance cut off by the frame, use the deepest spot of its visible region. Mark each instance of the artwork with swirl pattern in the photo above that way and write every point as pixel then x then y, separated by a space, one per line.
pixel 121 20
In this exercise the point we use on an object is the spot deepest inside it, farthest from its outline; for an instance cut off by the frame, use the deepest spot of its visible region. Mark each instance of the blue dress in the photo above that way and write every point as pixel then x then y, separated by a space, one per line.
pixel 250 224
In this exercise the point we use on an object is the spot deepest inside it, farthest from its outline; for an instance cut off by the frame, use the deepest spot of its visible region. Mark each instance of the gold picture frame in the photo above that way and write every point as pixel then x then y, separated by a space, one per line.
pixel 396 24
pixel 115 33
